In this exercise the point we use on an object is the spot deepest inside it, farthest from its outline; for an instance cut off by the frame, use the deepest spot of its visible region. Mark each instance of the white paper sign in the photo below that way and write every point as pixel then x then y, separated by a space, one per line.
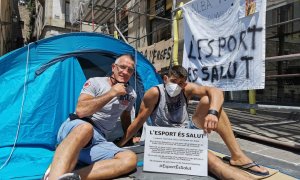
pixel 224 43
pixel 175 150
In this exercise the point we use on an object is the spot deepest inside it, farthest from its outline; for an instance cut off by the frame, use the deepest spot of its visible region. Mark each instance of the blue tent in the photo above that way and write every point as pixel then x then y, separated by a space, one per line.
pixel 39 87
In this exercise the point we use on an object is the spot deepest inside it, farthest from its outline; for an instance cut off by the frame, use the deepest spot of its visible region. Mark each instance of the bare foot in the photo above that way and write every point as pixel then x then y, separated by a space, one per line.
pixel 247 163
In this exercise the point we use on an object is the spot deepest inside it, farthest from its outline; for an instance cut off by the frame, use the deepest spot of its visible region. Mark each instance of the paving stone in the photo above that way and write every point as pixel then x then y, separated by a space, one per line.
pixel 281 155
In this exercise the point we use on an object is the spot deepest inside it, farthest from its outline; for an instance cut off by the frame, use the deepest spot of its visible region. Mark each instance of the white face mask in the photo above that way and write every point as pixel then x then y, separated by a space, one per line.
pixel 173 89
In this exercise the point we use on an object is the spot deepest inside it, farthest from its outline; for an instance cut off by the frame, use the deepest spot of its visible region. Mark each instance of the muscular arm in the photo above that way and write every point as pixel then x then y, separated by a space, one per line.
pixel 215 95
pixel 148 103
pixel 88 105
pixel 215 98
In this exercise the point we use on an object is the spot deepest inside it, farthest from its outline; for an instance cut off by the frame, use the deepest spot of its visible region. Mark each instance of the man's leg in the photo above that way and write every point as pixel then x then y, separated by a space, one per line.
pixel 224 171
pixel 225 131
pixel 66 154
pixel 123 163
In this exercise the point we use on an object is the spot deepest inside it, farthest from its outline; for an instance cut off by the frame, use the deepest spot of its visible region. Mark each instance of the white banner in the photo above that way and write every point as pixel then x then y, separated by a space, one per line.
pixel 175 150
pixel 224 43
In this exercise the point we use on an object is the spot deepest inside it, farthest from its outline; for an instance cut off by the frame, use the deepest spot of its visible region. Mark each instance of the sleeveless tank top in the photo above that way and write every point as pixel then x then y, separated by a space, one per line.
pixel 170 111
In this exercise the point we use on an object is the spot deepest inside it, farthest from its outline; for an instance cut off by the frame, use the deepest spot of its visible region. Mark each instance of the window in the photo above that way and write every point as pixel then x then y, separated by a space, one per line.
pixel 67 16
pixel 161 29
pixel 282 38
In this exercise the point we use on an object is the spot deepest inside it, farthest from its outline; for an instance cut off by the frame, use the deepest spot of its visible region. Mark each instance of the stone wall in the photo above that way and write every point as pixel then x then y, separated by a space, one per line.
pixel 24 22
pixel 5 26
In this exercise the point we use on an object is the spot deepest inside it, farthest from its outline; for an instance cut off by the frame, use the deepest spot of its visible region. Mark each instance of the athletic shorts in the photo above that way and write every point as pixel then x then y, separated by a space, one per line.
pixel 97 149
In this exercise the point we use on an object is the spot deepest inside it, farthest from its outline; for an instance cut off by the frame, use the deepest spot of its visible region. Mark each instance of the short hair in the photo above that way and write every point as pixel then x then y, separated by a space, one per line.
pixel 176 71
pixel 128 55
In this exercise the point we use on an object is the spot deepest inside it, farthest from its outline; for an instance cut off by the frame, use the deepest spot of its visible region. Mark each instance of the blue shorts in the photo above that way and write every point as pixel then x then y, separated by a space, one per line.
pixel 97 149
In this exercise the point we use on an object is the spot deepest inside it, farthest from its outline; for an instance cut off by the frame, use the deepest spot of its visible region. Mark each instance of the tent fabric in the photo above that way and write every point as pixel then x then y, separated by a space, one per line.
pixel 41 96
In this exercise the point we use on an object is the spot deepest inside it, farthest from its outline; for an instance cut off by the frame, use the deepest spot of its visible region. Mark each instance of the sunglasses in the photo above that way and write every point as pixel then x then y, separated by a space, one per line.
pixel 123 68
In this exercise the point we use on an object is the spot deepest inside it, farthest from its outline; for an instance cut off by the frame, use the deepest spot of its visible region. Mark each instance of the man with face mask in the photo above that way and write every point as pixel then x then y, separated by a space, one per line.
pixel 166 105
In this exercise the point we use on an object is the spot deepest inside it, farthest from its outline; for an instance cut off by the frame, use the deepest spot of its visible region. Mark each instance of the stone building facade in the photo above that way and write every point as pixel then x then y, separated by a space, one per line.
pixel 147 26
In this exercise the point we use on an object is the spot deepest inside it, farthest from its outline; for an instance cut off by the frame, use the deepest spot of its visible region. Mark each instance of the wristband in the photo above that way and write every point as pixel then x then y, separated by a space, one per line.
pixel 213 112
